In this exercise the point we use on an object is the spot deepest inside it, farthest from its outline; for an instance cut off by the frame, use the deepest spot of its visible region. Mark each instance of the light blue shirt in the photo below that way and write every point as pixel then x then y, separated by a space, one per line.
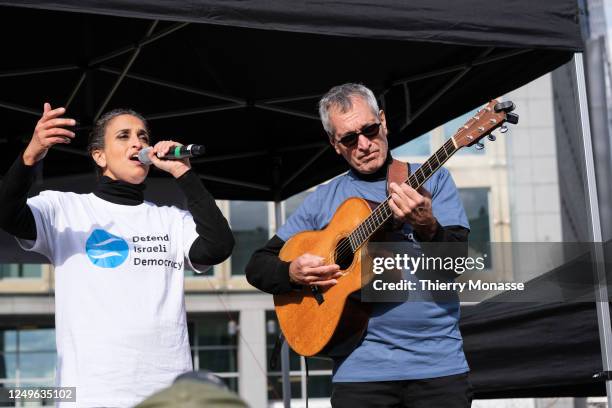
pixel 403 341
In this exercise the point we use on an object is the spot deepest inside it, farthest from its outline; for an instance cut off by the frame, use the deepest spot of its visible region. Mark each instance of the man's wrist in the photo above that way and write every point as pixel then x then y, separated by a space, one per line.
pixel 30 159
pixel 426 231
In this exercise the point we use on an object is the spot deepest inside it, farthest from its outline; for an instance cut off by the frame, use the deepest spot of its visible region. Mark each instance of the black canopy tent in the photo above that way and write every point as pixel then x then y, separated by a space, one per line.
pixel 543 341
pixel 243 79
pixel 521 350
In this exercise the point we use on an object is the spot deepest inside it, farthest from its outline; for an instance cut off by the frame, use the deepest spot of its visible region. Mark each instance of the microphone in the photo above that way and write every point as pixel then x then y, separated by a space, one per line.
pixel 176 153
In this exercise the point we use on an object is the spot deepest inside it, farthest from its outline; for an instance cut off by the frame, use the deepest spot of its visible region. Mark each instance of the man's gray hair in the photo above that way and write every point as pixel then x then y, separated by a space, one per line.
pixel 340 97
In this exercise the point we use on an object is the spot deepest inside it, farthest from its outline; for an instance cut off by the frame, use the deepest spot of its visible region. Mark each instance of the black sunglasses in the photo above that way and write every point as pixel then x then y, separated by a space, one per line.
pixel 369 131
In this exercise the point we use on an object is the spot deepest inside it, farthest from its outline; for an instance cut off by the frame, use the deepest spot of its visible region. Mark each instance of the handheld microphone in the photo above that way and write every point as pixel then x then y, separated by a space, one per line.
pixel 176 153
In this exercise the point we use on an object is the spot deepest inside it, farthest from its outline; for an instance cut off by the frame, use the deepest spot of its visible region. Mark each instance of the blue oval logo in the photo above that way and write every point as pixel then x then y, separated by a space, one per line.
pixel 106 250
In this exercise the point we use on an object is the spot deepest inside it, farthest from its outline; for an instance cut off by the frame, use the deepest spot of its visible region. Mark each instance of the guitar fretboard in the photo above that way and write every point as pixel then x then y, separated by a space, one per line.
pixel 383 212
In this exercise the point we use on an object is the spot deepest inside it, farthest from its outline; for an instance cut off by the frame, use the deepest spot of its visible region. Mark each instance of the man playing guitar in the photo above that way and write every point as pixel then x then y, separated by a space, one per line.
pixel 411 354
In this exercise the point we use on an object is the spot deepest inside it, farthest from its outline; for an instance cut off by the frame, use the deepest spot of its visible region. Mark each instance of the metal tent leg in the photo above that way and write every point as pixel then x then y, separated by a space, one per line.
pixel 285 363
pixel 601 290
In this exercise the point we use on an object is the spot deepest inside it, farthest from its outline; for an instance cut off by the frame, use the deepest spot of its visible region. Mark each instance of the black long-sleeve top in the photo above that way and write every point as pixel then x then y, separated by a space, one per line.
pixel 213 245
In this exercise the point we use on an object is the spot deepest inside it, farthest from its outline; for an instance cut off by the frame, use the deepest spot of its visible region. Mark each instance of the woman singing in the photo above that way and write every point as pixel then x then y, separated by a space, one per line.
pixel 120 320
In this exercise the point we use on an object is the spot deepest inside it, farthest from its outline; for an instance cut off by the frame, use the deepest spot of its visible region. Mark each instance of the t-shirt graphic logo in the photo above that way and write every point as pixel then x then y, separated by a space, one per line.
pixel 106 250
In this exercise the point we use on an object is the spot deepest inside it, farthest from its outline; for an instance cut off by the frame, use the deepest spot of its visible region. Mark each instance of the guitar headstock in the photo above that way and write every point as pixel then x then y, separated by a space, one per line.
pixel 494 115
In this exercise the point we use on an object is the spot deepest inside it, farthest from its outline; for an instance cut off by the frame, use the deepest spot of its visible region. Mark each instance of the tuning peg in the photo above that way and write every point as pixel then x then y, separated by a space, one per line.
pixel 492 137
pixel 479 146
pixel 507 106
pixel 503 129
pixel 512 118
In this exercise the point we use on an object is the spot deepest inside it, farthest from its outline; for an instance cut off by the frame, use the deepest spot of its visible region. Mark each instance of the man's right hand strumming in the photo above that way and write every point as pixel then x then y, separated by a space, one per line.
pixel 311 270
pixel 47 133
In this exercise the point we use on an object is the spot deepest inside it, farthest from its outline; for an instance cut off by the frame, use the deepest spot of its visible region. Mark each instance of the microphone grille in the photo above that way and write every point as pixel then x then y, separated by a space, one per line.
pixel 143 156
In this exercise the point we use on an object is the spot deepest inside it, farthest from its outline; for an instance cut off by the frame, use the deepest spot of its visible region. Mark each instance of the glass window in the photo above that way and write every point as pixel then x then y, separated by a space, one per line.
pixel 37 365
pixel 216 330
pixel 8 365
pixel 249 221
pixel 9 340
pixel 218 359
pixel 27 357
pixel 214 344
pixel 37 340
pixel 476 204
pixel 319 379
pixel 9 271
pixel 319 386
pixel 451 127
pixel 420 146
pixel 20 271
pixel 275 387
pixel 31 271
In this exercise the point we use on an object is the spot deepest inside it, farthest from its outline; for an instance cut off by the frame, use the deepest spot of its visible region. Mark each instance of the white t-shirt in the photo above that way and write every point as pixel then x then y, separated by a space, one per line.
pixel 120 319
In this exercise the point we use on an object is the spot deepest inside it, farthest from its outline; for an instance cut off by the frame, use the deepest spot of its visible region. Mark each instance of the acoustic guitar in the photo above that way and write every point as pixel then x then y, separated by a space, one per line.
pixel 327 322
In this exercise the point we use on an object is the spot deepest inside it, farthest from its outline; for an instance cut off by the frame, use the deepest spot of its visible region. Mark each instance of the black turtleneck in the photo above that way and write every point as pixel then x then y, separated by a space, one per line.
pixel 213 245
pixel 119 192
pixel 380 174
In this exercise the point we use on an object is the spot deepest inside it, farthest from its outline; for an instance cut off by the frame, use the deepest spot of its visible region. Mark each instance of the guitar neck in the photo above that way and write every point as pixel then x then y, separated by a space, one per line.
pixel 382 212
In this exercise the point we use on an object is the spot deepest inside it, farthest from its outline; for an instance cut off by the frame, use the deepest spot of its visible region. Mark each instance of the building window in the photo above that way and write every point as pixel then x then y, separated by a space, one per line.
pixel 476 205
pixel 319 370
pixel 249 221
pixel 214 346
pixel 27 359
pixel 420 146
pixel 20 271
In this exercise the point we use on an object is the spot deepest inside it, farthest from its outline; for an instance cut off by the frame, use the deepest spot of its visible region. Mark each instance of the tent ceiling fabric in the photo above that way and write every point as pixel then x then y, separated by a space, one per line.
pixel 243 78
pixel 547 24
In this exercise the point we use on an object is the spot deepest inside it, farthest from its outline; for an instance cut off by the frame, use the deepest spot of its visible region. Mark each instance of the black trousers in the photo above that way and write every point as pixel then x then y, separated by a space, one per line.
pixel 453 391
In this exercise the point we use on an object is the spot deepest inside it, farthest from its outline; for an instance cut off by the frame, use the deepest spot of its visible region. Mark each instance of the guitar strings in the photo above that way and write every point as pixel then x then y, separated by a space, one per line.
pixel 346 248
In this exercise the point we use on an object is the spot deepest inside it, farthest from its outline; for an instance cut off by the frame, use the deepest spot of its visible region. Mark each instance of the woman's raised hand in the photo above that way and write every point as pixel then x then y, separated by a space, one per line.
pixel 48 132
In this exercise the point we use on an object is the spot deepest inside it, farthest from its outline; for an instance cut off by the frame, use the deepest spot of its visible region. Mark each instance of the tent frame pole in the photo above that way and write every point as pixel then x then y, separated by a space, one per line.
pixel 286 111
pixel 145 41
pixel 193 111
pixel 449 84
pixel 174 85
pixel 306 165
pixel 233 182
pixel 235 156
pixel 42 70
pixel 125 70
pixel 76 89
pixel 279 216
pixel 19 108
pixel 295 98
pixel 481 60
pixel 601 290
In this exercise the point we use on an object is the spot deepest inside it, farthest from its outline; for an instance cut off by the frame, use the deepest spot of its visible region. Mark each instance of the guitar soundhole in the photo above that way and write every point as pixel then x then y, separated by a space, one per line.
pixel 344 254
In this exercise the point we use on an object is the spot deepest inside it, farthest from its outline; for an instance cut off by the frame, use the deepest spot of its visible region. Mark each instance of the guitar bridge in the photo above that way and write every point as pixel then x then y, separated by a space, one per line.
pixel 317 294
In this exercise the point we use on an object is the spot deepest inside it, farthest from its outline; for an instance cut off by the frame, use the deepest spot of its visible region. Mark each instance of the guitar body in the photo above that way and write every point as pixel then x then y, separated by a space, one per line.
pixel 337 323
